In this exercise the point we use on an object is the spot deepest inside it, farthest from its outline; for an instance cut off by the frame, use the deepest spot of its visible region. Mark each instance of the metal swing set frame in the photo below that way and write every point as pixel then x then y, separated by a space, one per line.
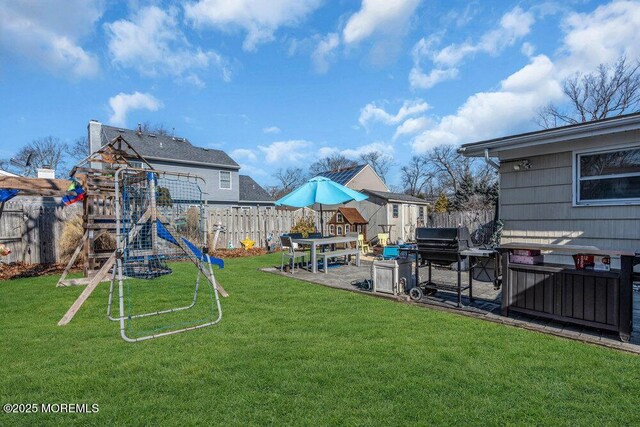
pixel 155 223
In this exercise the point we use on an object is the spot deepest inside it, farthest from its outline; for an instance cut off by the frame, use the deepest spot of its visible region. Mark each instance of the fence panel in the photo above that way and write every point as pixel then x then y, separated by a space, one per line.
pixel 480 223
pixel 258 224
pixel 32 230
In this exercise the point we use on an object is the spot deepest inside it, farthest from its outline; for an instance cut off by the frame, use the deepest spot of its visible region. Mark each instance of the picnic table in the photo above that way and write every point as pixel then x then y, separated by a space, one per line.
pixel 316 242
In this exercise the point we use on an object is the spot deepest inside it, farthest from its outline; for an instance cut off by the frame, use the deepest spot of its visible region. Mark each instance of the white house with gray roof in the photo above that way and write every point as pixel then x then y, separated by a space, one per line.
pixel 224 184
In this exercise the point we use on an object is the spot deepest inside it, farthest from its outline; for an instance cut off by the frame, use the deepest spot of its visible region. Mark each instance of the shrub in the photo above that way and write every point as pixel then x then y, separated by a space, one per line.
pixel 72 236
pixel 304 226
pixel 72 233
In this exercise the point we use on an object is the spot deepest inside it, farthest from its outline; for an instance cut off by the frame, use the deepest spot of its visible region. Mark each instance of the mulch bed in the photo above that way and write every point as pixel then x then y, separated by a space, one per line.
pixel 238 253
pixel 19 270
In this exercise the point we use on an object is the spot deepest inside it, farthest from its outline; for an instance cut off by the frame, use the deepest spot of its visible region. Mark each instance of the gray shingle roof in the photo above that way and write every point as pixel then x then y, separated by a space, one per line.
pixel 400 197
pixel 343 176
pixel 170 148
pixel 251 191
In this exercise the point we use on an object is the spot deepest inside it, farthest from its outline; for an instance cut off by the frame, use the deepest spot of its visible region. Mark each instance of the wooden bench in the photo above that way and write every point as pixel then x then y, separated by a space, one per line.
pixel 339 253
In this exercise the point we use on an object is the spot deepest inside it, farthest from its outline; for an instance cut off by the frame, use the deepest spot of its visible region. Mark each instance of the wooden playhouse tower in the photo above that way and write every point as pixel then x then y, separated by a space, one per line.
pixel 96 176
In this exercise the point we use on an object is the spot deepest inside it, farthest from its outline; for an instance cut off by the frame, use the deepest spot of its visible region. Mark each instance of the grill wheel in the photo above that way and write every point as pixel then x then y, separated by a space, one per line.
pixel 416 294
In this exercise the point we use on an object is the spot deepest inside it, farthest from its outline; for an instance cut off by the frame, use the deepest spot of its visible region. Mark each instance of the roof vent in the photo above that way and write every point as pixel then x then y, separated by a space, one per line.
pixel 152 135
pixel 139 131
pixel 120 130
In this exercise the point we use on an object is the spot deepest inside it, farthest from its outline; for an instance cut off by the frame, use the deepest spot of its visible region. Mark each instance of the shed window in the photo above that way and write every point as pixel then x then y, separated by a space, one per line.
pixel 608 177
pixel 225 180
pixel 421 211
pixel 339 230
pixel 347 228
pixel 339 217
pixel 396 209
pixel 332 229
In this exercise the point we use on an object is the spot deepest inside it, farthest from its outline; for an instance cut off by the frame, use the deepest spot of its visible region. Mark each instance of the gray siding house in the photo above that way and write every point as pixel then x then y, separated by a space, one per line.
pixel 577 184
pixel 224 184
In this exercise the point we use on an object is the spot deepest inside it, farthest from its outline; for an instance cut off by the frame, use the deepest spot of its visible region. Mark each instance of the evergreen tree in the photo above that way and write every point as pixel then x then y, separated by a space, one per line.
pixel 442 204
pixel 464 193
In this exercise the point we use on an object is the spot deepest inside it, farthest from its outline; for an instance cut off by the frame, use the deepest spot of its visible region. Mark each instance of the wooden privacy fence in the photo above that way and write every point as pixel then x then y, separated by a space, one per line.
pixel 259 224
pixel 32 230
pixel 480 223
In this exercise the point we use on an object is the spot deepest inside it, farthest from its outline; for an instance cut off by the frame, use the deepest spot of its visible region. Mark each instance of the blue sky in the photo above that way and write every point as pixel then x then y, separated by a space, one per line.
pixel 283 82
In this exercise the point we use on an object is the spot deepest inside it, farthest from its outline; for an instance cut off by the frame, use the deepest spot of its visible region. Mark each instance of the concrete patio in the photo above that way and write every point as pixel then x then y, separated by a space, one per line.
pixel 486 304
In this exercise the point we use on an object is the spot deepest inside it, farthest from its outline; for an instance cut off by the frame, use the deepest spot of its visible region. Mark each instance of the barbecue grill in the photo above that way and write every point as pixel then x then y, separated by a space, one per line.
pixel 441 246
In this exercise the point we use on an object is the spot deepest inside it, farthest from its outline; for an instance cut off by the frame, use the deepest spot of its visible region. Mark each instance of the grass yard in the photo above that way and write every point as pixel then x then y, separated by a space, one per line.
pixel 288 352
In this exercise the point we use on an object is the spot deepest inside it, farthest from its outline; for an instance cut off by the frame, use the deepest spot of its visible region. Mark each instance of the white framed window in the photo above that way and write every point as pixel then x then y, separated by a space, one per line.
pixel 332 229
pixel 339 230
pixel 396 211
pixel 347 228
pixel 607 177
pixel 225 180
pixel 339 217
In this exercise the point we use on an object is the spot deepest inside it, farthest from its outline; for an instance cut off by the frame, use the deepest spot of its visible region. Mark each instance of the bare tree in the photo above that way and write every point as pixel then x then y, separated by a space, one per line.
pixel 79 149
pixel 289 179
pixel 47 152
pixel 330 163
pixel 415 175
pixel 156 129
pixel 448 166
pixel 611 90
pixel 381 163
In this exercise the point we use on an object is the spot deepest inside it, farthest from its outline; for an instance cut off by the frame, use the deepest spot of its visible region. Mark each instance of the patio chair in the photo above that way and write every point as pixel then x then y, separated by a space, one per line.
pixel 383 239
pixel 364 246
pixel 290 253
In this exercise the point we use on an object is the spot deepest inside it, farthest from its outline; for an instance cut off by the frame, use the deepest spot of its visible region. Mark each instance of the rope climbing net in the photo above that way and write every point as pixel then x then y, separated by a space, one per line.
pixel 160 237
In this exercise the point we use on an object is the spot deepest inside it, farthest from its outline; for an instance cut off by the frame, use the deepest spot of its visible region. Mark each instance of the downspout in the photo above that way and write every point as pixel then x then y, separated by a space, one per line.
pixel 496 166
pixel 490 162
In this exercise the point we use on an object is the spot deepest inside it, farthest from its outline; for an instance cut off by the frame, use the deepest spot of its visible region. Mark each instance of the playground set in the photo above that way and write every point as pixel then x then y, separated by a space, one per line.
pixel 154 217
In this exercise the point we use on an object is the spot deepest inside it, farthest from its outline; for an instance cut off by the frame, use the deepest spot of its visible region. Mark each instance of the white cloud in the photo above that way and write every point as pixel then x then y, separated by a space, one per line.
pixel 327 151
pixel 259 19
pixel 387 21
pixel 323 52
pixel 514 25
pixel 151 42
pixel 51 34
pixel 271 129
pixel 122 103
pixel 378 16
pixel 354 153
pixel 418 79
pixel 289 152
pixel 485 115
pixel 373 113
pixel 590 39
pixel 244 153
pixel 602 36
pixel 412 126
pixel 528 49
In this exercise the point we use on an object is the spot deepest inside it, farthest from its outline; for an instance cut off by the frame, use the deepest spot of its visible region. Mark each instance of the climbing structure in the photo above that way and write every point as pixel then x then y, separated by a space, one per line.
pixel 96 174
pixel 159 217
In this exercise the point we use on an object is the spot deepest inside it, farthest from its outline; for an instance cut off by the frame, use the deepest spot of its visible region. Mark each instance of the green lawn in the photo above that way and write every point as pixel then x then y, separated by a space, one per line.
pixel 288 352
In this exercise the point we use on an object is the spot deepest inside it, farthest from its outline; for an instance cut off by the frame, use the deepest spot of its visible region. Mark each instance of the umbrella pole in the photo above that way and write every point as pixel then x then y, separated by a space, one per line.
pixel 321 221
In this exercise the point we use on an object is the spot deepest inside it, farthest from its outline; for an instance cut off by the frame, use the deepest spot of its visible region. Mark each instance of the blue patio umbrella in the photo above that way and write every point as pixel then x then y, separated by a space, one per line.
pixel 320 190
